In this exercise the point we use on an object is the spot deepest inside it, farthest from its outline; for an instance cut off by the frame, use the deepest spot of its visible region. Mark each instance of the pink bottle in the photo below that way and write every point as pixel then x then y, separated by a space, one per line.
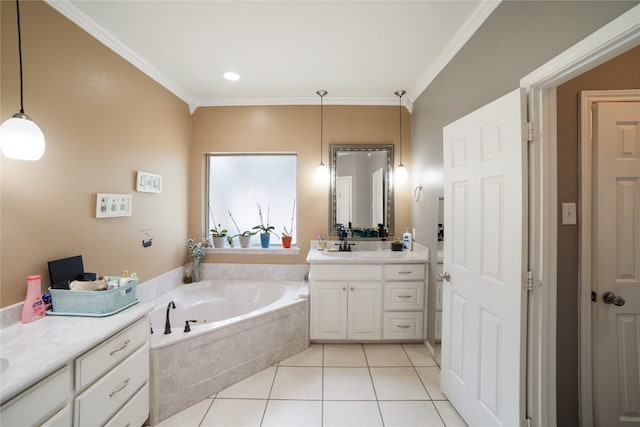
pixel 33 305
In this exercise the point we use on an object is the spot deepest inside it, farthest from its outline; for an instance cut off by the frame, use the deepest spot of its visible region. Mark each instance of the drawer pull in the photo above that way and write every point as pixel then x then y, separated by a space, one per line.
pixel 126 343
pixel 404 296
pixel 403 326
pixel 119 389
pixel 405 272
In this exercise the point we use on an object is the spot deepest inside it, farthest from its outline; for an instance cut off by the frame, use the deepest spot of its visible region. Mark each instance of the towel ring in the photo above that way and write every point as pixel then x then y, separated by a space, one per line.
pixel 416 193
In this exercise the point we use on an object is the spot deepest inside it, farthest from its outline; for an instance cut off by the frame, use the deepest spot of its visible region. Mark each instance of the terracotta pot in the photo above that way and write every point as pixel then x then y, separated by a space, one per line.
pixel 286 241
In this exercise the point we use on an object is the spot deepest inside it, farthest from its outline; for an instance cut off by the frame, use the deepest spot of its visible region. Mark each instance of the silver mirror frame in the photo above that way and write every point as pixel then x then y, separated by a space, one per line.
pixel 389 196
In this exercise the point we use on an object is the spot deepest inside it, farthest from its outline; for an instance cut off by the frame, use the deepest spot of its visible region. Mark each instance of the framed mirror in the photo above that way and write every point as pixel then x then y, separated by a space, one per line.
pixel 361 187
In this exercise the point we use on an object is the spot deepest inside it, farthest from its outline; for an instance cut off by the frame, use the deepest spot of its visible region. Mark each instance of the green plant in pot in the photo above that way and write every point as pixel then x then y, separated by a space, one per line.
pixel 264 228
pixel 219 235
pixel 287 235
pixel 243 236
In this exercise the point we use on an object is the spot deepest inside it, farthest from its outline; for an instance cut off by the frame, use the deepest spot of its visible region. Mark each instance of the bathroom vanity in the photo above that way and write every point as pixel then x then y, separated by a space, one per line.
pixel 367 295
pixel 72 371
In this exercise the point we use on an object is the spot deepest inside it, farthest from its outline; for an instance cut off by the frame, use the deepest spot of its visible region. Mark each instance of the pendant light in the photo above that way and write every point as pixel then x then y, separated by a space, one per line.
pixel 401 172
pixel 321 170
pixel 20 137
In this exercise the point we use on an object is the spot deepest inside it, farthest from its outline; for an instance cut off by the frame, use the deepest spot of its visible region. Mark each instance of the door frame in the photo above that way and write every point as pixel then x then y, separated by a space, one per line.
pixel 587 99
pixel 618 36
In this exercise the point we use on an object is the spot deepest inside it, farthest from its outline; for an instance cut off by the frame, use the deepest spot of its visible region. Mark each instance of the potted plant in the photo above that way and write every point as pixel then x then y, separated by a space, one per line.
pixel 243 236
pixel 196 252
pixel 266 229
pixel 287 235
pixel 219 235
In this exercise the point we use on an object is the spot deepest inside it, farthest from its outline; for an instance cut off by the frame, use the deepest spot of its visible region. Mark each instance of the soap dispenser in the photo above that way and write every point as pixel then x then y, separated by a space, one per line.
pixel 406 241
pixel 33 308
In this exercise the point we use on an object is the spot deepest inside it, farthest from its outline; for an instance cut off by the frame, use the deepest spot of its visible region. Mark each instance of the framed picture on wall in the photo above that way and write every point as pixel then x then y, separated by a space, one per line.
pixel 148 182
pixel 113 205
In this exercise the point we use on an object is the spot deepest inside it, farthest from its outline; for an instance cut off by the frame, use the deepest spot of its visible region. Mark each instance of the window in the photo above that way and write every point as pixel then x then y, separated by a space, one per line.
pixel 239 183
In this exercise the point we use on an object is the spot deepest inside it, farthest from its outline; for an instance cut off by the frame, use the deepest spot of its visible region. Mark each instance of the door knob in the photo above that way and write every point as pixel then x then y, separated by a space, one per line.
pixel 611 298
pixel 445 276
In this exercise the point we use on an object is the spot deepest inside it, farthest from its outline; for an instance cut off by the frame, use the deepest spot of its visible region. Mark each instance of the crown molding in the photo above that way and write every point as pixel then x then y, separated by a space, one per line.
pixel 82 20
pixel 467 30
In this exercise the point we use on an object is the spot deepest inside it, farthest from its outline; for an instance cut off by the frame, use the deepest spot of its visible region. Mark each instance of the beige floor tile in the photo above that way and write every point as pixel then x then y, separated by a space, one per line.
pixel 344 355
pixel 190 417
pixel 312 356
pixel 398 383
pixel 419 355
pixel 386 355
pixel 301 383
pixel 256 386
pixel 430 376
pixel 293 413
pixel 348 384
pixel 449 414
pixel 410 414
pixel 235 412
pixel 357 414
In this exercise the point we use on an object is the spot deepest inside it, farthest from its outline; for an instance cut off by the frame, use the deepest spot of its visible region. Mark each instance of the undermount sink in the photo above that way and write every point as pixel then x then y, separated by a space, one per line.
pixel 4 365
pixel 361 254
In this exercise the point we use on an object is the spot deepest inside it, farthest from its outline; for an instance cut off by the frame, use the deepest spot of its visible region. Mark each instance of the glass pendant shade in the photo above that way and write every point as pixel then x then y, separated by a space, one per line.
pixel 21 138
pixel 322 173
pixel 401 174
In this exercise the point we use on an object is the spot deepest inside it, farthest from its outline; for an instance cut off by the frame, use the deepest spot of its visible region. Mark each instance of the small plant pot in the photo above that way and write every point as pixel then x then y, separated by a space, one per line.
pixel 286 241
pixel 264 239
pixel 218 242
pixel 245 241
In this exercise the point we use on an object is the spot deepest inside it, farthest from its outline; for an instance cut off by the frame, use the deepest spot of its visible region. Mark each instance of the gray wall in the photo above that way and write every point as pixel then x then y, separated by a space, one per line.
pixel 517 38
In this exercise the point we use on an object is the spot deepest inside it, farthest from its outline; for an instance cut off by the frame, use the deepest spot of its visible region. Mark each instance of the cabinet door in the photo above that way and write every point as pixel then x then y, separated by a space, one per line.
pixel 365 311
pixel 328 310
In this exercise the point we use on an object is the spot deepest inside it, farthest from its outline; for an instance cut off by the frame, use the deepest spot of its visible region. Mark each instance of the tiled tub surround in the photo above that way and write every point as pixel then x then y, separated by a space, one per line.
pixel 188 367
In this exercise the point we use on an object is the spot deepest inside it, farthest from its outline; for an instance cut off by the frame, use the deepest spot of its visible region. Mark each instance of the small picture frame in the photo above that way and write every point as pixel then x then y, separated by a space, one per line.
pixel 148 182
pixel 113 205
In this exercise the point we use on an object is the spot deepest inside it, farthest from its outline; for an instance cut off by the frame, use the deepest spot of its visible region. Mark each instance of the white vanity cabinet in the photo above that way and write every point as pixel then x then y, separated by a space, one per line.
pixel 106 385
pixel 404 301
pixel 346 302
pixel 367 302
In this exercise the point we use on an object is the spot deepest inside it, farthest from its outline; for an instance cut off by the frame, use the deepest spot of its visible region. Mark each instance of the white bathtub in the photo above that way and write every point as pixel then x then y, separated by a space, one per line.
pixel 242 327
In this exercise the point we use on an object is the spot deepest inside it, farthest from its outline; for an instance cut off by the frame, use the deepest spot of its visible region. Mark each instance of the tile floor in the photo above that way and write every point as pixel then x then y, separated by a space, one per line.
pixel 333 385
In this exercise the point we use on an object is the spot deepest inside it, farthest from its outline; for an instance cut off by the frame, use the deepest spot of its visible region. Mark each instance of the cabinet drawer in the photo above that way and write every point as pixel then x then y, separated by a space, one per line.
pixel 62 419
pixel 345 272
pixel 403 296
pixel 103 399
pixel 135 412
pixel 404 272
pixel 101 359
pixel 403 325
pixel 40 402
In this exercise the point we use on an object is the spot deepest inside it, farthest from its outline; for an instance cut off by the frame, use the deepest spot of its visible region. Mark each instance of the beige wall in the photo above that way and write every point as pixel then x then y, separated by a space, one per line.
pixel 103 120
pixel 618 73
pixel 294 129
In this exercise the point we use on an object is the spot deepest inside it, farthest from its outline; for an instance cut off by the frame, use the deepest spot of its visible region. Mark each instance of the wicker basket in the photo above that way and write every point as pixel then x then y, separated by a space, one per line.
pixel 93 303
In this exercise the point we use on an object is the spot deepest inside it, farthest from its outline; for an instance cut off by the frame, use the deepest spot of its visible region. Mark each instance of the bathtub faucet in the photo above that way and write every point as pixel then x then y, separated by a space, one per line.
pixel 167 323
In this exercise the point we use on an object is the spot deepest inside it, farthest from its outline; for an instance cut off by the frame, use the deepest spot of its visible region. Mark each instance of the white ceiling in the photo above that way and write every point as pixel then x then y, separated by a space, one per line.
pixel 361 52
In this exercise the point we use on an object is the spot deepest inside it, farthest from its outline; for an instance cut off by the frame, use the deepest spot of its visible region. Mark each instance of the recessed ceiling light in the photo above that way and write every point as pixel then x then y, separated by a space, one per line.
pixel 229 75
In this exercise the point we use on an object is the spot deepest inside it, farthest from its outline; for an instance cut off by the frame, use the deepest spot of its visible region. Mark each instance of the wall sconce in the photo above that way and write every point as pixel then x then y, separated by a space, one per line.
pixel 321 171
pixel 401 172
pixel 20 137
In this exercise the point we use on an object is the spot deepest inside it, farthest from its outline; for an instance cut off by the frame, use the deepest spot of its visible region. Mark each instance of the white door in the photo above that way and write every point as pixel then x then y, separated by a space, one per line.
pixel 377 198
pixel 344 200
pixel 484 312
pixel 616 266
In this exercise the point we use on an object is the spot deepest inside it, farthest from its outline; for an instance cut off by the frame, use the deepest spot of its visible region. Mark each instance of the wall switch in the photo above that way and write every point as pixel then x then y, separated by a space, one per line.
pixel 569 214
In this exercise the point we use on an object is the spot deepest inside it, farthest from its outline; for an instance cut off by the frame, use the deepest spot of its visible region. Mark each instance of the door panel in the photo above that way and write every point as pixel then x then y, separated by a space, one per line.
pixel 483 302
pixel 616 266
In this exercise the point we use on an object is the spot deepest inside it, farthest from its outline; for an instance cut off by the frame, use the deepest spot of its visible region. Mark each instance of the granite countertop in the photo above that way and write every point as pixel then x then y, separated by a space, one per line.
pixel 385 256
pixel 36 350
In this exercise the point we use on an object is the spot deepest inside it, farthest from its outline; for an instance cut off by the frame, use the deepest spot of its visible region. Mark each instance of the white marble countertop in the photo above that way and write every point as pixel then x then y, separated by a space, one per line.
pixel 385 256
pixel 36 350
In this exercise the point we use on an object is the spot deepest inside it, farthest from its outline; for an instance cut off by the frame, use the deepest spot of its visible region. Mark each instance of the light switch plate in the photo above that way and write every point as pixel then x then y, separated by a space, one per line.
pixel 569 214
